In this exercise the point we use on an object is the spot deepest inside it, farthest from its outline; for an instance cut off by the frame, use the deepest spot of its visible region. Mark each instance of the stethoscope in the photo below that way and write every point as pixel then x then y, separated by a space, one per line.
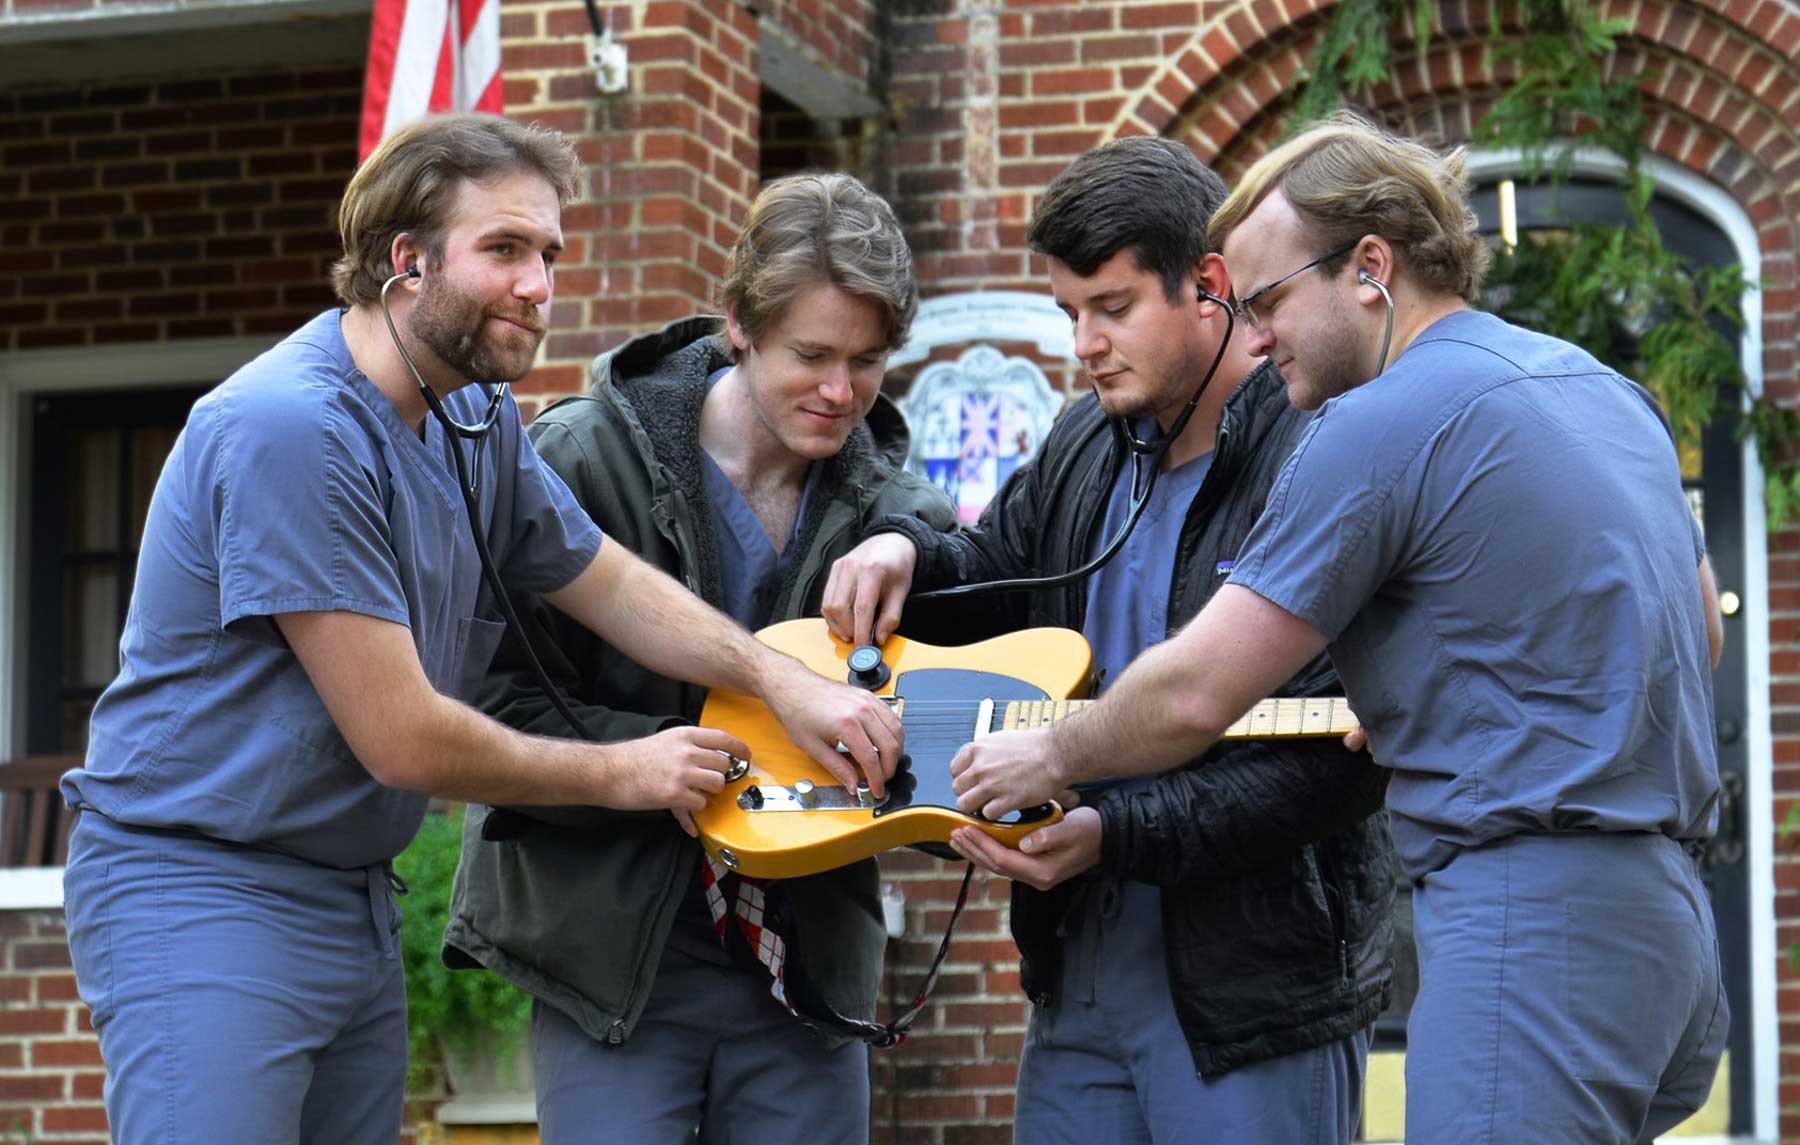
pixel 468 480
pixel 1387 337
pixel 1142 482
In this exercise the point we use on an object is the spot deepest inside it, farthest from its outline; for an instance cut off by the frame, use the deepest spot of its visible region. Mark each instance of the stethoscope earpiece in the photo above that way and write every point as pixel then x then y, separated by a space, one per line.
pixel 1366 279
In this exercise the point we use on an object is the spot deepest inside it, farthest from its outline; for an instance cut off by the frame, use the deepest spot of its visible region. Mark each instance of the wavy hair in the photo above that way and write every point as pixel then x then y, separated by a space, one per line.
pixel 1347 178
pixel 409 184
pixel 819 230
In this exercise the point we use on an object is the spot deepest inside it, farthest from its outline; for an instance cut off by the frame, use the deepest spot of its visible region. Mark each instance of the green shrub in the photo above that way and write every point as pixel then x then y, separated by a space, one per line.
pixel 461 1012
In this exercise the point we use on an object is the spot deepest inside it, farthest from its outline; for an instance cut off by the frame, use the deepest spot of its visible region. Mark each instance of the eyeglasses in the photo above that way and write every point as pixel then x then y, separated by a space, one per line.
pixel 1246 307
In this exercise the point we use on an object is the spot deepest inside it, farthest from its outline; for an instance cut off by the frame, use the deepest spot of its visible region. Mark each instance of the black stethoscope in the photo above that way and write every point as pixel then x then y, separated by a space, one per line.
pixel 468 480
pixel 1140 452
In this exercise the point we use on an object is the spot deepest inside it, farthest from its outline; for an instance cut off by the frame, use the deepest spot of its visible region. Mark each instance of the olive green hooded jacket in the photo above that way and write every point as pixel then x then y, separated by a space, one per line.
pixel 575 905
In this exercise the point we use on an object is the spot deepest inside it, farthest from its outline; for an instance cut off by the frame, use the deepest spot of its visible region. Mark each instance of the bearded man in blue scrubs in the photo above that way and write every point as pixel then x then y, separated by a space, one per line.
pixel 309 617
pixel 1486 528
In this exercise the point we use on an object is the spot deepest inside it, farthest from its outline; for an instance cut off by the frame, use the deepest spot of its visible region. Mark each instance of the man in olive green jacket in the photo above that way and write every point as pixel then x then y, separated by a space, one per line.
pixel 743 456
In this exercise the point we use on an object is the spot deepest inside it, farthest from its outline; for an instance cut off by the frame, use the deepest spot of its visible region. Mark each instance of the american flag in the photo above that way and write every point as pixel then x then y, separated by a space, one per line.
pixel 427 56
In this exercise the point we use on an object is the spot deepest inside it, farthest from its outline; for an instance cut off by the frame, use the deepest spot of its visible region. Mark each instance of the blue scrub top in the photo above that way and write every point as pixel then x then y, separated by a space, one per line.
pixel 1493 536
pixel 751 571
pixel 296 487
pixel 1128 599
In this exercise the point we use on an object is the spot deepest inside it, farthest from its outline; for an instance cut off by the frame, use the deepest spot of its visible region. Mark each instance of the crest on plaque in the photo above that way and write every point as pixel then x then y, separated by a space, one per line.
pixel 976 419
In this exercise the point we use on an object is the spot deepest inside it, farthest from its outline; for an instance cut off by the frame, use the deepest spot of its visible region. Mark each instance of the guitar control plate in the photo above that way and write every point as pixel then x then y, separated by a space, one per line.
pixel 822 798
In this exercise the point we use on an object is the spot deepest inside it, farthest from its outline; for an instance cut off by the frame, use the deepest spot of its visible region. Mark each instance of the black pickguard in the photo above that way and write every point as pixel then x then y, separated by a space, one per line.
pixel 939 717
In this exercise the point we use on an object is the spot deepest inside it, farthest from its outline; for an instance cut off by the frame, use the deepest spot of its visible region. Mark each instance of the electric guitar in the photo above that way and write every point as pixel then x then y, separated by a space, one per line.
pixel 782 815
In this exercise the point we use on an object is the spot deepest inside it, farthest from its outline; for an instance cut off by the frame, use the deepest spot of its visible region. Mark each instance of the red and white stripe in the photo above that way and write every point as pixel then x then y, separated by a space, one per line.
pixel 427 56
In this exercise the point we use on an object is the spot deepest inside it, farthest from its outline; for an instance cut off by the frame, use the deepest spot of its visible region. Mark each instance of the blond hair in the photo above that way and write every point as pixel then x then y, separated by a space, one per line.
pixel 1347 178
pixel 817 230
pixel 409 185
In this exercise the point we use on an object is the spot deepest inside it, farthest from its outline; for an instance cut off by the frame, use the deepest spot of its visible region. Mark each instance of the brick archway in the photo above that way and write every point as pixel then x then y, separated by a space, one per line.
pixel 1723 105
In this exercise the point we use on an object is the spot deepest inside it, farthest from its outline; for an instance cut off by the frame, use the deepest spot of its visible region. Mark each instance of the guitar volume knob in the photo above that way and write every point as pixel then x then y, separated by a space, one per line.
pixel 804 793
pixel 867 669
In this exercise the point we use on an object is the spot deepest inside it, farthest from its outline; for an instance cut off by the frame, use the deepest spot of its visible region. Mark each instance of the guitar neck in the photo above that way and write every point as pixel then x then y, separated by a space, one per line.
pixel 1271 719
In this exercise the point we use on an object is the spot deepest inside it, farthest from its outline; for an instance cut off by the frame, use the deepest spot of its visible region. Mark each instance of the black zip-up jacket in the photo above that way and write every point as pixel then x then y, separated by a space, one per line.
pixel 1273 857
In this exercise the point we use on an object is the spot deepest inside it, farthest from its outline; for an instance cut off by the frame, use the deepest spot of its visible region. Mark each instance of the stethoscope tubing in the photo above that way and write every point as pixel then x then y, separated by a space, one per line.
pixel 468 480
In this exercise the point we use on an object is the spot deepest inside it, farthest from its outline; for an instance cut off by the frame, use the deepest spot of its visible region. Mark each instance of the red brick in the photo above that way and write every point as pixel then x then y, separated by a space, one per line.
pixel 41 1087
pixel 1039 114
pixel 74 1119
pixel 63 1053
pixel 1184 17
pixel 1078 18
pixel 1071 81
pixel 1101 49
pixel 1037 53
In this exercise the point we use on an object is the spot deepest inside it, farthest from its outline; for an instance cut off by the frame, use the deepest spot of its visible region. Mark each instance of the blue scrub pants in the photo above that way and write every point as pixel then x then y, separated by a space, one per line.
pixel 240 995
pixel 1569 991
pixel 712 1049
pixel 1106 1061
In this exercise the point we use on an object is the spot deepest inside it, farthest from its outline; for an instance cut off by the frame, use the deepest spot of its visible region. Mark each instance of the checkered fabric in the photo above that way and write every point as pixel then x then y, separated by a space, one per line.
pixel 749 909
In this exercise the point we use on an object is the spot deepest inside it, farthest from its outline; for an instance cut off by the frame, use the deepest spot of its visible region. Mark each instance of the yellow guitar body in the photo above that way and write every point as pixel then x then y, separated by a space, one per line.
pixel 767 823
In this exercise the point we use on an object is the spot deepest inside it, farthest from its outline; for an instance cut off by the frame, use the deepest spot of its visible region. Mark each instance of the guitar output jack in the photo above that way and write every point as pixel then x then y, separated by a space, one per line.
pixel 726 857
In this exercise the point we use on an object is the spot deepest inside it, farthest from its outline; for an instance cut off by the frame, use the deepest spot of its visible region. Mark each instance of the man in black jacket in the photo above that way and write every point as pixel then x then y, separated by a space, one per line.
pixel 1206 948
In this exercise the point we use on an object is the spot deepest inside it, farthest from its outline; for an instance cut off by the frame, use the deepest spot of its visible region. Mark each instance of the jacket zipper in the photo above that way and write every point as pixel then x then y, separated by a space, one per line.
pixel 1335 910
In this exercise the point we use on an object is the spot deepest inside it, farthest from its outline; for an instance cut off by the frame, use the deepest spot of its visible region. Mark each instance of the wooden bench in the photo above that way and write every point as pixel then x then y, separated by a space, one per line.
pixel 34 822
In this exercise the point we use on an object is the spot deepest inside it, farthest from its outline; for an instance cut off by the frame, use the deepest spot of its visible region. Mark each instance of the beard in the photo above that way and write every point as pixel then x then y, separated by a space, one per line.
pixel 454 326
pixel 1334 364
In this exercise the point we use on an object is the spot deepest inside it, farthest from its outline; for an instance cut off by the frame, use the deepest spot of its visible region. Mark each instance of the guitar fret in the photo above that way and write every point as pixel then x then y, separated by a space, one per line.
pixel 1286 718
pixel 1027 714
pixel 1282 718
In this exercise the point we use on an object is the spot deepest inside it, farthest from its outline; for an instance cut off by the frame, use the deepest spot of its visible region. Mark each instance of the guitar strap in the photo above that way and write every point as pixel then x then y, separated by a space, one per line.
pixel 764 927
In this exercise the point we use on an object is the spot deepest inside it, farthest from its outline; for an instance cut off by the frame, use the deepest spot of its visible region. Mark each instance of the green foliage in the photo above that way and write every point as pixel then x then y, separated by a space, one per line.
pixel 1616 291
pixel 1790 824
pixel 1352 55
pixel 462 1011
pixel 1560 91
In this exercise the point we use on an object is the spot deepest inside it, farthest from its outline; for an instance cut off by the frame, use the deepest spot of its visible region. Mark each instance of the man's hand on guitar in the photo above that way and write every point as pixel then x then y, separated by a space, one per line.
pixel 819 714
pixel 1003 772
pixel 867 589
pixel 1046 857
pixel 675 769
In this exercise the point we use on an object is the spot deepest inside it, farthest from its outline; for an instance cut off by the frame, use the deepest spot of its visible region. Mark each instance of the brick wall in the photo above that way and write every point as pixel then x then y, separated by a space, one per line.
pixel 122 208
pixel 50 1071
pixel 671 165
pixel 842 36
pixel 154 211
pixel 951 1081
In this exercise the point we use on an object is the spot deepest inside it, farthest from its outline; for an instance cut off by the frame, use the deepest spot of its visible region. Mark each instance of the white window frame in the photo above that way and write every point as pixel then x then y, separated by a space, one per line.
pixel 24 376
